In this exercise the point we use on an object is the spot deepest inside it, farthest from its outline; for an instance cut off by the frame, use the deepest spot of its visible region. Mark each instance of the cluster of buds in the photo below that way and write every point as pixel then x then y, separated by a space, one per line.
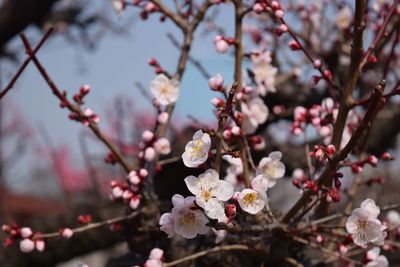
pixel 83 91
pixel 358 166
pixel 88 115
pixel 320 116
pixel 375 180
pixel 323 153
pixel 151 145
pixel 28 240
pixel 216 83
pixel 302 181
pixel 333 195
pixel 231 133
pixel 148 8
pixel 257 142
pixel 156 65
pixel 122 191
pixel 222 44
pixel 110 159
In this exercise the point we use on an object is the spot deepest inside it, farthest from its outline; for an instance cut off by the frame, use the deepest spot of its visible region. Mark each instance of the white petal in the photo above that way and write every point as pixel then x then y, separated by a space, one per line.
pixel 370 206
pixel 192 183
pixel 177 200
pixel 275 156
pixel 224 191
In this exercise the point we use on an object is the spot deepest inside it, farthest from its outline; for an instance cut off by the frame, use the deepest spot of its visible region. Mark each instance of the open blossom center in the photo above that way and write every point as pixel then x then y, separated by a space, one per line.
pixel 250 198
pixel 206 195
pixel 197 150
pixel 188 218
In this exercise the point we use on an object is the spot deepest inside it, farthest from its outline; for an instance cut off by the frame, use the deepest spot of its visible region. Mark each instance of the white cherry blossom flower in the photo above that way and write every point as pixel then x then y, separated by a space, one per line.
pixel 364 225
pixel 255 113
pixel 235 168
pixel 196 151
pixel 210 193
pixel 271 168
pixel 183 220
pixel 264 72
pixel 251 201
pixel 376 260
pixel 165 90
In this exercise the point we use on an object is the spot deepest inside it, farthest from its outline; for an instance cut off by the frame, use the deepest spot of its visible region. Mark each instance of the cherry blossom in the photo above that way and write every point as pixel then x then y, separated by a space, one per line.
pixel 235 168
pixel 255 113
pixel 364 225
pixel 183 219
pixel 264 72
pixel 165 90
pixel 251 201
pixel 271 168
pixel 210 193
pixel 196 151
pixel 216 83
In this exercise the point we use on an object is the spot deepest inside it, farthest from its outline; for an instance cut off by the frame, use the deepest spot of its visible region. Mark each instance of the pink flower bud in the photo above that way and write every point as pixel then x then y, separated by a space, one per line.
pixel 283 27
pixel 217 102
pixel 134 178
pixel 88 112
pixel 95 118
pixel 294 45
pixel 372 160
pixel 356 168
pixel 143 173
pixel 156 254
pixel 40 245
pixel 26 232
pixel 117 192
pixel 147 136
pixel 150 7
pixel 134 202
pixel 149 154
pixel 127 194
pixel 221 46
pixel 152 62
pixel 230 210
pixel 275 5
pixel 258 8
pixel 227 134
pixel 317 63
pixel 216 83
pixel 343 249
pixel 279 13
pixel 67 233
pixel 330 149
pixel 236 130
pixel 163 117
pixel 85 89
pixel 26 245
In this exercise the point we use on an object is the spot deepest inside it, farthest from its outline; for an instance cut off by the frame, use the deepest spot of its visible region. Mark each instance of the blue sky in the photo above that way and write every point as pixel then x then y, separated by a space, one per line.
pixel 111 70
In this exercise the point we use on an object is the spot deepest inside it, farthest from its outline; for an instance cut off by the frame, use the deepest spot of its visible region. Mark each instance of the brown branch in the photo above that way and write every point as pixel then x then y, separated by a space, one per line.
pixel 90 226
pixel 74 108
pixel 206 252
pixel 223 116
pixel 25 63
pixel 178 20
pixel 374 107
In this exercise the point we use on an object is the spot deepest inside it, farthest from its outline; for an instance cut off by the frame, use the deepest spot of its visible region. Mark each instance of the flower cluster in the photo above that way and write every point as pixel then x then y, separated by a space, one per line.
pixel 28 240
